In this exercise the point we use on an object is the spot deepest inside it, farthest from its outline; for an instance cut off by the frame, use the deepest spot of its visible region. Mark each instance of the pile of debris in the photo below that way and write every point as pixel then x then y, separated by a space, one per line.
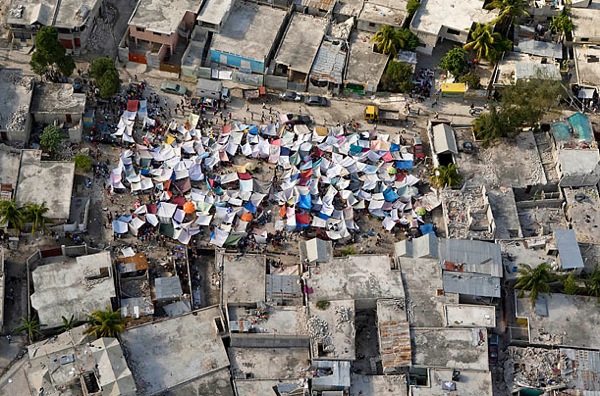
pixel 540 368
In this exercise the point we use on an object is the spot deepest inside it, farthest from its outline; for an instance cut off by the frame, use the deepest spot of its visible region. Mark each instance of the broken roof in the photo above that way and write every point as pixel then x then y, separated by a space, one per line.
pixel 162 17
pixel 394 335
pixel 583 214
pixel 568 249
pixel 301 42
pixel 45 181
pixel 451 348
pixel 470 383
pixel 30 12
pixel 15 99
pixel 355 277
pixel 50 98
pixel 67 286
pixel 182 349
pixel 332 331
pixel 330 61
pixel 380 385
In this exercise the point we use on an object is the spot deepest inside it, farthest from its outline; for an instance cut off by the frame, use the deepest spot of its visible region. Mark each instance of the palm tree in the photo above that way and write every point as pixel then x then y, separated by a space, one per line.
pixel 509 11
pixel 562 24
pixel 536 281
pixel 387 40
pixel 69 324
pixel 592 283
pixel 482 41
pixel 446 176
pixel 10 214
pixel 35 213
pixel 32 326
pixel 106 323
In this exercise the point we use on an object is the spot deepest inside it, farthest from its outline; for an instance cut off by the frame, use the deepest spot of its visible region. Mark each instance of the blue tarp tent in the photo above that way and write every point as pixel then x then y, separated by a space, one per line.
pixel 305 202
pixel 390 195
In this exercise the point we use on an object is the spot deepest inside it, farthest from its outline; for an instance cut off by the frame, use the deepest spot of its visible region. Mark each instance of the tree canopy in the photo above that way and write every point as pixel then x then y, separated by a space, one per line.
pixel 51 138
pixel 487 44
pixel 35 214
pixel 397 77
pixel 11 215
pixel 509 11
pixel 455 61
pixel 536 281
pixel 83 162
pixel 107 323
pixel 446 176
pixel 49 54
pixel 104 71
pixel 389 40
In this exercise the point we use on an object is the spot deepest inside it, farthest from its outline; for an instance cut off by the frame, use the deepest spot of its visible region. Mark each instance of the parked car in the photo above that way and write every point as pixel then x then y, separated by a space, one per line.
pixel 291 96
pixel 173 88
pixel 418 149
pixel 494 349
pixel 316 101
pixel 298 119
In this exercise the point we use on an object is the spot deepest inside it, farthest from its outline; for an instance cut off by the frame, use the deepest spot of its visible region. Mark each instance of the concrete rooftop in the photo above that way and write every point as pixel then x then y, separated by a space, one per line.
pixel 579 161
pixel 527 250
pixel 584 215
pixel 244 278
pixel 53 98
pixel 471 383
pixel 246 33
pixel 255 387
pixel 384 12
pixel 462 315
pixel 461 349
pixel 9 165
pixel 586 22
pixel 214 11
pixel 45 181
pixel 69 11
pixel 364 65
pixel 587 65
pixel 433 14
pixel 72 287
pixel 269 363
pixel 301 42
pixel 338 337
pixel 560 319
pixel 160 16
pixel 281 320
pixel 380 385
pixel 15 99
pixel 217 383
pixel 165 354
pixel 355 277
pixel 33 11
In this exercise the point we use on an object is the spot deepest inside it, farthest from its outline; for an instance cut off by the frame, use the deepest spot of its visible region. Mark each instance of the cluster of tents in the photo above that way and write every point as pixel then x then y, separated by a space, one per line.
pixel 208 180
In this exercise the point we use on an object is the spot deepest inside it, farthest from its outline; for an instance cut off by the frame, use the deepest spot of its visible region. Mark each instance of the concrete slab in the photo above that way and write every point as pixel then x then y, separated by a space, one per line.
pixel 244 278
pixel 269 363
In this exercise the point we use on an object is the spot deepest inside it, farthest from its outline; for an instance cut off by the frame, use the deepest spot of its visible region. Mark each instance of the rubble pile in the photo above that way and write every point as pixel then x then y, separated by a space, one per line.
pixel 317 328
pixel 540 368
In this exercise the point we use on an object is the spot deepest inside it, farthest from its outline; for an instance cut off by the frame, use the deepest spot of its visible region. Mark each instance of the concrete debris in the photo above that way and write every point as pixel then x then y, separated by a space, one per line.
pixel 18 119
pixel 317 328
pixel 540 368
pixel 344 314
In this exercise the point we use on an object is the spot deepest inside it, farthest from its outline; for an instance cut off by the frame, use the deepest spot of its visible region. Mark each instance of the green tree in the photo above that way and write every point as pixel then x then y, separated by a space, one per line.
pixel 83 162
pixel 570 284
pixel 51 138
pixel 107 323
pixel 455 61
pixel 104 71
pixel 386 40
pixel 493 125
pixel 10 214
pixel 471 79
pixel 562 23
pixel 412 6
pixel 397 77
pixel 35 214
pixel 407 40
pixel 49 54
pixel 446 176
pixel 32 326
pixel 527 101
pixel 487 44
pixel 536 281
pixel 70 323
pixel 509 11
pixel 592 283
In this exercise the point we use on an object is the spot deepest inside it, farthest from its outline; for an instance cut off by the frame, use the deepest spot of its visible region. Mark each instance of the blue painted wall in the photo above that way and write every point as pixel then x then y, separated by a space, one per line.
pixel 236 61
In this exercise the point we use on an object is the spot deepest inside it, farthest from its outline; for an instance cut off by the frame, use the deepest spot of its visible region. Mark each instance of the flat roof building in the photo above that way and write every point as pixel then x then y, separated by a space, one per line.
pixel 181 349
pixel 45 181
pixel 463 315
pixel 299 47
pixel 469 383
pixel 269 363
pixel 560 320
pixel 244 278
pixel 331 329
pixel 16 92
pixel 214 14
pixel 246 42
pixel 451 21
pixel 586 24
pixel 365 66
pixel 163 18
pixel 582 213
pixel 394 335
pixel 587 65
pixel 65 286
pixel 380 385
pixel 375 14
pixel 460 349
pixel 57 102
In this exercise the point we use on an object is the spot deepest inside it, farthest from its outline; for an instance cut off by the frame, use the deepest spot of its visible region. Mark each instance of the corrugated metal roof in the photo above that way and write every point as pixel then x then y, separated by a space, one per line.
pixel 330 61
pixel 540 48
pixel 167 288
pixel 444 140
pixel 477 256
pixel 471 284
pixel 568 249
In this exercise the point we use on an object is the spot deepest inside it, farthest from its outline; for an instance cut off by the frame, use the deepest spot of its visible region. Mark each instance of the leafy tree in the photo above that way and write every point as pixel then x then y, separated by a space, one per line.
pixel 104 71
pixel 397 77
pixel 536 281
pixel 471 79
pixel 493 125
pixel 10 214
pixel 49 54
pixel 412 6
pixel 509 11
pixel 570 284
pixel 83 162
pixel 106 323
pixel 32 326
pixel 35 214
pixel 407 39
pixel 527 101
pixel 592 283
pixel 386 40
pixel 455 61
pixel 562 23
pixel 51 138
pixel 446 176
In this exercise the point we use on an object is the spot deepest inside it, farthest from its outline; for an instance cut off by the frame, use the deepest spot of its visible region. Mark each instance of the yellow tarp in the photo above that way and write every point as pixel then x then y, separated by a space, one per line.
pixel 454 87
pixel 169 139
pixel 321 130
